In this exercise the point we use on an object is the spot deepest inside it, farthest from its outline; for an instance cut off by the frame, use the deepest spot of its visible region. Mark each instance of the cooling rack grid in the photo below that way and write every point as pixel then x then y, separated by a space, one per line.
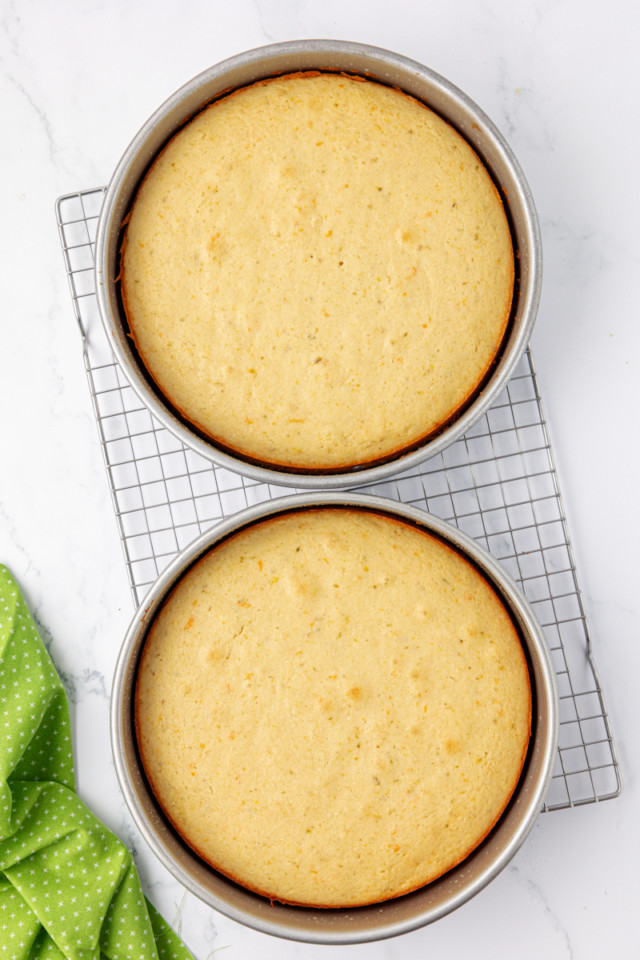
pixel 497 483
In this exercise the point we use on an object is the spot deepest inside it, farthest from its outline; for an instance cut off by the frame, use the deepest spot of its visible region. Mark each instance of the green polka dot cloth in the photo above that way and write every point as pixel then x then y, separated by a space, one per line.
pixel 68 886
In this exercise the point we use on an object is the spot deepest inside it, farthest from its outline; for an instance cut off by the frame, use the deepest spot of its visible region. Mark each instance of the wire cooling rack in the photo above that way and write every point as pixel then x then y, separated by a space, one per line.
pixel 497 483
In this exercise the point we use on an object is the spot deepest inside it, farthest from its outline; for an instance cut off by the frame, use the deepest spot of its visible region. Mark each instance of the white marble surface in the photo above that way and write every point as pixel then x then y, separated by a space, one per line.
pixel 560 78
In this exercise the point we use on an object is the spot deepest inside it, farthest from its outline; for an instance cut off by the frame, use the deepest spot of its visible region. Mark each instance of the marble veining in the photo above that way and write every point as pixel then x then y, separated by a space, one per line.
pixel 536 892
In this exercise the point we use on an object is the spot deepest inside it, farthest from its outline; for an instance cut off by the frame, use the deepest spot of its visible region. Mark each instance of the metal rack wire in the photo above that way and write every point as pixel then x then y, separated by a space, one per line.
pixel 497 483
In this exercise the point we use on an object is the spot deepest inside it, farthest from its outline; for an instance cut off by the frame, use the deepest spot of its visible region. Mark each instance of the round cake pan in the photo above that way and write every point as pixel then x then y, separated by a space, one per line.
pixel 392 69
pixel 380 920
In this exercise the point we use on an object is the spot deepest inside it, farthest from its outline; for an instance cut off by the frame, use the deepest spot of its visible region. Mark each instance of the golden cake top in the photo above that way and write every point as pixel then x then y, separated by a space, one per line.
pixel 333 707
pixel 318 272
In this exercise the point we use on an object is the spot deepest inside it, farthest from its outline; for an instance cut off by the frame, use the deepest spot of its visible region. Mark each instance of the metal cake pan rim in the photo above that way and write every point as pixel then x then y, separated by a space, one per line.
pixel 263 61
pixel 276 920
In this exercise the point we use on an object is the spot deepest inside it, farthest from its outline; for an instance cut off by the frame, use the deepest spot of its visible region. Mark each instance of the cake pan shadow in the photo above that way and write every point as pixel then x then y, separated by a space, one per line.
pixel 391 69
pixel 380 920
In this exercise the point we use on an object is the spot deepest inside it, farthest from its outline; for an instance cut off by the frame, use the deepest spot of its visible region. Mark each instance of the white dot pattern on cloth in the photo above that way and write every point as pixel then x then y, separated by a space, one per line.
pixel 68 886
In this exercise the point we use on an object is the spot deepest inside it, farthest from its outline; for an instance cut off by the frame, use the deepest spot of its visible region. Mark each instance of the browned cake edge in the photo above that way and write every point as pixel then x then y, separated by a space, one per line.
pixel 265 893
pixel 288 465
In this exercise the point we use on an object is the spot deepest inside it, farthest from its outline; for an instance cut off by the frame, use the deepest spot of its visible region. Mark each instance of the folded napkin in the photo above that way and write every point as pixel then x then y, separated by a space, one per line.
pixel 68 886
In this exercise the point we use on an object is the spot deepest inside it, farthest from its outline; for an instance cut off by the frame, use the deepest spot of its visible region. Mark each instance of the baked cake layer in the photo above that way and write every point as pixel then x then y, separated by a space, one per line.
pixel 318 272
pixel 333 707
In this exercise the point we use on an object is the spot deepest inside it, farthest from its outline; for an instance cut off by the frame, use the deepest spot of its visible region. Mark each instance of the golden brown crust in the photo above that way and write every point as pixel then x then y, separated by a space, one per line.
pixel 363 683
pixel 336 452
